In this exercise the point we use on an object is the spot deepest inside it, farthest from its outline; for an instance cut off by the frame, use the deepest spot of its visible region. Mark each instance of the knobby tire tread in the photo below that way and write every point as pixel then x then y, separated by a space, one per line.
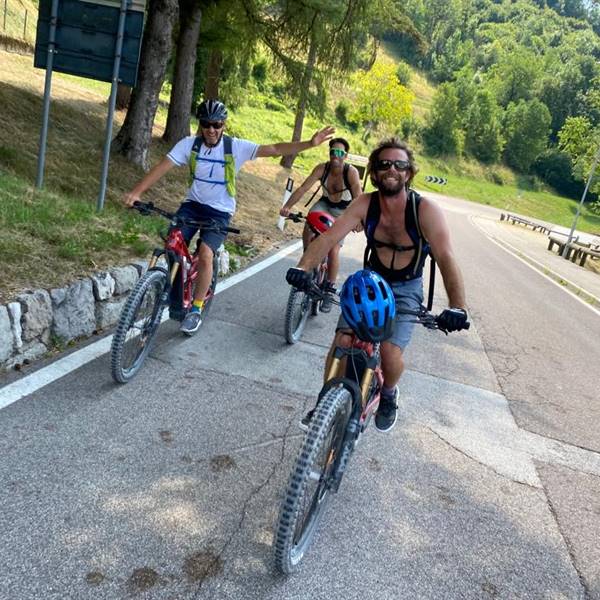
pixel 125 321
pixel 336 404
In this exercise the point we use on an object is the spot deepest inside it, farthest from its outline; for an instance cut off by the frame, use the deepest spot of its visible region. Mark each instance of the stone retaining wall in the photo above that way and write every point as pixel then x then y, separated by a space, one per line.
pixel 38 321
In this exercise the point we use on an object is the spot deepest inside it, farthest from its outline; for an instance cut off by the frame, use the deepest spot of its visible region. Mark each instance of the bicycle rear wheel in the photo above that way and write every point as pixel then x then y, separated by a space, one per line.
pixel 309 483
pixel 296 315
pixel 137 325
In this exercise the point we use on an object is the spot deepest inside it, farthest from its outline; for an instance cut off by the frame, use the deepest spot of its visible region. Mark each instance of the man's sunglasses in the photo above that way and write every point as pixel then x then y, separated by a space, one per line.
pixel 385 165
pixel 208 124
pixel 337 152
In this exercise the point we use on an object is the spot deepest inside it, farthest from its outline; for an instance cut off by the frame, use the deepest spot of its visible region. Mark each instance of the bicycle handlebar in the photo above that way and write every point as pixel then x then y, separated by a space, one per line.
pixel 145 208
pixel 423 316
pixel 296 217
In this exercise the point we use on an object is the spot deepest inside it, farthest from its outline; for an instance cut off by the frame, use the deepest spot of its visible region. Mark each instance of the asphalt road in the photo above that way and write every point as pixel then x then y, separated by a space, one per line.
pixel 169 487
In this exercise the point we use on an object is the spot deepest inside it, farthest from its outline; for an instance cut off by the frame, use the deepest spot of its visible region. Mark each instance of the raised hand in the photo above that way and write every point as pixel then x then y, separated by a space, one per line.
pixel 322 136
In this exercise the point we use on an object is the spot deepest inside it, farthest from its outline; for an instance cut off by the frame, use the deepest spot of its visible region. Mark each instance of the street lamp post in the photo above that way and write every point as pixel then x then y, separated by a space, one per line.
pixel 587 186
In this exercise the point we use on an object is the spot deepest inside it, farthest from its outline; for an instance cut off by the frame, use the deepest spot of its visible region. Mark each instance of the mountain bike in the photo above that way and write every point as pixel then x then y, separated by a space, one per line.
pixel 346 404
pixel 302 303
pixel 142 313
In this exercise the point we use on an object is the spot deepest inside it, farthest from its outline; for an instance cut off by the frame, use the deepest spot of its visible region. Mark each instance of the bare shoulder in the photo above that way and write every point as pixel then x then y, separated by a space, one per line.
pixel 429 208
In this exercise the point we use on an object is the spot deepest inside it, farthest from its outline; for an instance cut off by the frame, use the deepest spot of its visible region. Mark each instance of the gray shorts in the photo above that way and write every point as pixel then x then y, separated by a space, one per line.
pixel 334 211
pixel 408 294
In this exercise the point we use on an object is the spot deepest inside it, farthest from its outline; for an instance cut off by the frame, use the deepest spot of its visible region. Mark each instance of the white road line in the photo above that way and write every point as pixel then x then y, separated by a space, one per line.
pixel 515 252
pixel 31 383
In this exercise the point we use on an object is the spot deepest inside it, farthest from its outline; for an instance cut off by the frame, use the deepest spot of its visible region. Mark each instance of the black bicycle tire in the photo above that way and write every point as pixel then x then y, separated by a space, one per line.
pixel 119 374
pixel 296 297
pixel 335 405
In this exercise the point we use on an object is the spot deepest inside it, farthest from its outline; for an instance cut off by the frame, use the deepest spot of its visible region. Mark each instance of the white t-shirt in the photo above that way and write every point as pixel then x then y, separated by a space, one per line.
pixel 209 179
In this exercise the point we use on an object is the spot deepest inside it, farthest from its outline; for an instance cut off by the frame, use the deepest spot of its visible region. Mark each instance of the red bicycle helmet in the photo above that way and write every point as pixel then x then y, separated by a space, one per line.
pixel 319 221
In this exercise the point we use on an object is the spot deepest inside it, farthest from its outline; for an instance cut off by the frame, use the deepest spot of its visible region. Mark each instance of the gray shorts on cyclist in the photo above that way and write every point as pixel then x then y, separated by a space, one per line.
pixel 190 209
pixel 409 295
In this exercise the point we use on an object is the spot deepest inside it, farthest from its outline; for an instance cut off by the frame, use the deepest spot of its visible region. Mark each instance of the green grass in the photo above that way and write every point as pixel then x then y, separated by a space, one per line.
pixel 472 181
pixel 16 26
pixel 46 235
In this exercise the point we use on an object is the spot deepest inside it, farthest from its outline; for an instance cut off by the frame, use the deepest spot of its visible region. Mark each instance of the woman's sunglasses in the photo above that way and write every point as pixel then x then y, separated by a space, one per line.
pixel 385 165
pixel 337 152
pixel 208 124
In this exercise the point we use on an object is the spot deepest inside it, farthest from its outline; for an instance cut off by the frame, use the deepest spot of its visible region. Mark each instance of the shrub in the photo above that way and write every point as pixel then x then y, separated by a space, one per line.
pixel 403 74
pixel 341 111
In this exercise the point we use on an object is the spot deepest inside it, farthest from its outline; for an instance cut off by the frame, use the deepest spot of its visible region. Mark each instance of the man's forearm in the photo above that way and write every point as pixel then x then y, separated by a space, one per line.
pixel 317 249
pixel 286 148
pixel 453 282
pixel 153 176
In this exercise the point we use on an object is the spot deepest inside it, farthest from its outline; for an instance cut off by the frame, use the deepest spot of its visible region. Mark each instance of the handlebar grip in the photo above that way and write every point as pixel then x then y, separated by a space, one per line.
pixel 232 230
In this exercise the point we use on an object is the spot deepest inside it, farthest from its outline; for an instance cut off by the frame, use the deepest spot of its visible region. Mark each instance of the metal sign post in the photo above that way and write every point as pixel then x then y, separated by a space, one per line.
pixel 47 86
pixel 289 186
pixel 111 103
pixel 587 186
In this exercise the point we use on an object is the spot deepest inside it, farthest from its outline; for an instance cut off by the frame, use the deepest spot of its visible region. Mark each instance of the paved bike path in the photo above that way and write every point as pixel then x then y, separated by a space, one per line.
pixel 169 487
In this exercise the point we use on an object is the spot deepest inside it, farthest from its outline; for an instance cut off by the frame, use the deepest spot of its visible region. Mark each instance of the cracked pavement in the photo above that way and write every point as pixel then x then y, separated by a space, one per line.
pixel 169 487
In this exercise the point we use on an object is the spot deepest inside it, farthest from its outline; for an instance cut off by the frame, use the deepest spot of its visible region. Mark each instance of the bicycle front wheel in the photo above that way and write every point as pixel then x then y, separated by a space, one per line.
pixel 309 483
pixel 296 314
pixel 137 325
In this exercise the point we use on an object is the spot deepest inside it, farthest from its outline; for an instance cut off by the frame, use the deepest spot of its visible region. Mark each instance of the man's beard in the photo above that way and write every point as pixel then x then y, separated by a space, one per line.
pixel 390 189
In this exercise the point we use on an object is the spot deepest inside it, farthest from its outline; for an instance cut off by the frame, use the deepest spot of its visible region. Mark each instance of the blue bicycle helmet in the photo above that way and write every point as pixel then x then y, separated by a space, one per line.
pixel 368 305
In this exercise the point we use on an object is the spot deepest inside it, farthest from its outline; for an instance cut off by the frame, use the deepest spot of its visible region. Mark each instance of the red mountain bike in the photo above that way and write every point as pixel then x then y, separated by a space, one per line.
pixel 302 303
pixel 142 313
pixel 347 402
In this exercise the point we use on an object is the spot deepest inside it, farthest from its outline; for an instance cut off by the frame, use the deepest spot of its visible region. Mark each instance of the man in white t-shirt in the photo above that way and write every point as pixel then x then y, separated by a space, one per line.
pixel 214 163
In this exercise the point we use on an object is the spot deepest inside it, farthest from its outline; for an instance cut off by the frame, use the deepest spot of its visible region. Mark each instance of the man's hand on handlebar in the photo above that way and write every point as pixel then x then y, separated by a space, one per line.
pixel 299 278
pixel 130 198
pixel 453 319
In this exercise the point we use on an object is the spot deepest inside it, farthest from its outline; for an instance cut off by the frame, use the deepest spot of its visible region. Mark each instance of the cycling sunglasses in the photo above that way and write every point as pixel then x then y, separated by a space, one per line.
pixel 385 165
pixel 208 124
pixel 337 152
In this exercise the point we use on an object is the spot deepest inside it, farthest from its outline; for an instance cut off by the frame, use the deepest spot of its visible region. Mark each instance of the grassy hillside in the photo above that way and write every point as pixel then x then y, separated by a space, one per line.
pixel 59 233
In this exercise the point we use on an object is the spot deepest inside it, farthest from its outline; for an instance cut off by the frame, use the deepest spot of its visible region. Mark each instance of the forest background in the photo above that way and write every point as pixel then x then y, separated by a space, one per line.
pixel 501 98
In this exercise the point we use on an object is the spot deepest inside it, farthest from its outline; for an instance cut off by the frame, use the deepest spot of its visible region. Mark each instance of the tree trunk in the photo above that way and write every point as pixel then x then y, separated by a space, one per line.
pixel 288 161
pixel 213 75
pixel 123 96
pixel 180 103
pixel 135 135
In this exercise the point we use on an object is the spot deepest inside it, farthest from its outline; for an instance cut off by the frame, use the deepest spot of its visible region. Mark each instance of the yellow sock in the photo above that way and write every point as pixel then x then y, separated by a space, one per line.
pixel 197 305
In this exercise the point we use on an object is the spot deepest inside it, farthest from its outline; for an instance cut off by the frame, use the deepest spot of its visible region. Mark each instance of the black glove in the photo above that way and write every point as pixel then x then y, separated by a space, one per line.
pixel 453 319
pixel 298 278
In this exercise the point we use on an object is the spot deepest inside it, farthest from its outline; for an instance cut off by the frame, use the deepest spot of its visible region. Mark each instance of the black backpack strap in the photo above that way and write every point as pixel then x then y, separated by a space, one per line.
pixel 370 224
pixel 227 144
pixel 345 175
pixel 325 172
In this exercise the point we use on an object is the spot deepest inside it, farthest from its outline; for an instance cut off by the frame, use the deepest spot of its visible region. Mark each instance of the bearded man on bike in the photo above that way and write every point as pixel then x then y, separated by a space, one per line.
pixel 214 159
pixel 401 228
pixel 340 185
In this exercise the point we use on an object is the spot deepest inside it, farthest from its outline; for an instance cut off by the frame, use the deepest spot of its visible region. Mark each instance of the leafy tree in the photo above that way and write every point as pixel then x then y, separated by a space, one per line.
pixel 580 140
pixel 483 138
pixel 443 134
pixel 134 136
pixel 381 101
pixel 527 126
pixel 182 89
pixel 515 76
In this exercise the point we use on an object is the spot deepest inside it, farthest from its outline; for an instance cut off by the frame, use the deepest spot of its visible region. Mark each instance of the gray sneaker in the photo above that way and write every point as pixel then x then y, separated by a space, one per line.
pixel 387 413
pixel 191 323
